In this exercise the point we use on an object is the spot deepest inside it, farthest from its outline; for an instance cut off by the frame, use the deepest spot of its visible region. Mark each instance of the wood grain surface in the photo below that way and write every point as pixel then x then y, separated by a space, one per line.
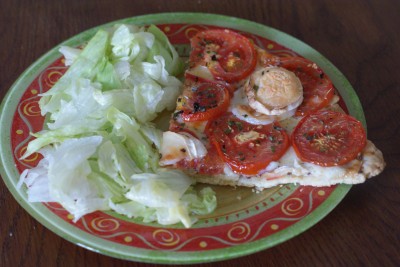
pixel 361 38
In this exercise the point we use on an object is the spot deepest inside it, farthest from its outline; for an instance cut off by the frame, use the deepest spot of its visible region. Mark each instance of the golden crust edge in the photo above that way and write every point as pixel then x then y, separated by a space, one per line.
pixel 370 163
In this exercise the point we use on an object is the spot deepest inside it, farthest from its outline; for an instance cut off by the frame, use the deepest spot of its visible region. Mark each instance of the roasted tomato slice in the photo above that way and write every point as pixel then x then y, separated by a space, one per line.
pixel 203 100
pixel 328 138
pixel 318 89
pixel 229 56
pixel 247 148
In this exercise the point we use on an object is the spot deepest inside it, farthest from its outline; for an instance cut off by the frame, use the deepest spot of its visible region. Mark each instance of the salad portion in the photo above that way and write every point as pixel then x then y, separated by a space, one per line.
pixel 100 147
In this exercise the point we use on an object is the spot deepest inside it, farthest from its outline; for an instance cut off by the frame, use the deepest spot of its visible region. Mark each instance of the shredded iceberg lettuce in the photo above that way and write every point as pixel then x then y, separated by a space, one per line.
pixel 100 148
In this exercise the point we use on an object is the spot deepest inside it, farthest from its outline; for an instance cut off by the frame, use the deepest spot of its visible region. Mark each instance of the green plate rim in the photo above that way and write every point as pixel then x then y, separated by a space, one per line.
pixel 10 174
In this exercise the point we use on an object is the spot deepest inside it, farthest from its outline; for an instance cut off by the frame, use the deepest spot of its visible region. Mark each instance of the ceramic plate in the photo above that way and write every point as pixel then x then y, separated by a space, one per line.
pixel 245 222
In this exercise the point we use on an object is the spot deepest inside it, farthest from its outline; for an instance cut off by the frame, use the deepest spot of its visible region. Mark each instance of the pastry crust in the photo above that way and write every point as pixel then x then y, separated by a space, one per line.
pixel 368 164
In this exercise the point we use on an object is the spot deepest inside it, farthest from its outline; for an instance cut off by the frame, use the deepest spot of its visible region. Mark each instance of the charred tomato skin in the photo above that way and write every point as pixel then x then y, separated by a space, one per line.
pixel 328 138
pixel 229 56
pixel 245 147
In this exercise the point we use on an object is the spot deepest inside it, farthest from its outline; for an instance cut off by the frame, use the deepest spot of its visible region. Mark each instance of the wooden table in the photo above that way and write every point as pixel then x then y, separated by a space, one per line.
pixel 360 37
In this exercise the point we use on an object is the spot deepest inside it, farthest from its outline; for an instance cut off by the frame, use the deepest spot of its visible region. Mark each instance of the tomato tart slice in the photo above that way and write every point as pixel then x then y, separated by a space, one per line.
pixel 249 118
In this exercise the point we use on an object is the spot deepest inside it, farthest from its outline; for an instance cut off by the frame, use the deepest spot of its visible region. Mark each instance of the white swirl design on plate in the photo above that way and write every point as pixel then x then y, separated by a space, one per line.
pixel 53 77
pixel 105 224
pixel 29 108
pixel 239 231
pixel 292 206
pixel 165 237
pixel 50 76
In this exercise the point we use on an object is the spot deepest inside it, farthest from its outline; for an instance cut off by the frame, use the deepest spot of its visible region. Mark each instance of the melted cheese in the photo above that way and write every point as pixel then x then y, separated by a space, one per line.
pixel 244 137
pixel 179 146
pixel 202 72
pixel 274 91
pixel 240 107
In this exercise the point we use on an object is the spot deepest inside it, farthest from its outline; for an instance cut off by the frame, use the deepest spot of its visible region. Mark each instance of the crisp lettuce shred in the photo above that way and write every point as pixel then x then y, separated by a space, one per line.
pixel 100 147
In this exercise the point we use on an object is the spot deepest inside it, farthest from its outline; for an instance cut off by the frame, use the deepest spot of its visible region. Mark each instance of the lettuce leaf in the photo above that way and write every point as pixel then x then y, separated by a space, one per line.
pixel 100 147
pixel 167 197
pixel 84 66
pixel 162 46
